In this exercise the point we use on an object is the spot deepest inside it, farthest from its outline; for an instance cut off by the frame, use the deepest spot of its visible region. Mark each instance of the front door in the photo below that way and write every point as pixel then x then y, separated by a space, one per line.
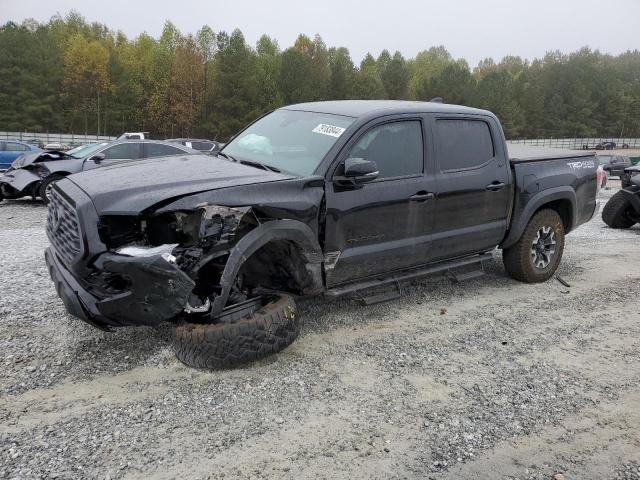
pixel 116 153
pixel 384 225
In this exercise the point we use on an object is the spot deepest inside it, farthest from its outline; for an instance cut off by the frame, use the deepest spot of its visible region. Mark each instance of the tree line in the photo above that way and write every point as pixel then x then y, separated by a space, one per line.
pixel 69 75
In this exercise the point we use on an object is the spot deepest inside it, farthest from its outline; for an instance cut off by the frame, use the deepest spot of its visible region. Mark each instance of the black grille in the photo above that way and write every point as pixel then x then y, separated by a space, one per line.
pixel 63 228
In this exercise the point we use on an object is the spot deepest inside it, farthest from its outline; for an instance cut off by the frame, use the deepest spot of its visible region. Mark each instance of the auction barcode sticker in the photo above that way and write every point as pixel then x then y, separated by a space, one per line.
pixel 330 130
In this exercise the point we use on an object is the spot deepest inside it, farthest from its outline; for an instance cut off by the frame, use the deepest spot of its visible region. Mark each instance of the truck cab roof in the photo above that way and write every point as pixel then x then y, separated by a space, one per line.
pixel 365 108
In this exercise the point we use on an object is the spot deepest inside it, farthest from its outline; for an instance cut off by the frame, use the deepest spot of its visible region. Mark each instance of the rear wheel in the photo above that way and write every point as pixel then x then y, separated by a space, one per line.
pixel 536 255
pixel 271 327
pixel 617 212
pixel 44 192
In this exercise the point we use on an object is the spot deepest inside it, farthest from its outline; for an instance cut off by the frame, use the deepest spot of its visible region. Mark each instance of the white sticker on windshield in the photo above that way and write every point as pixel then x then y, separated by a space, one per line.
pixel 330 130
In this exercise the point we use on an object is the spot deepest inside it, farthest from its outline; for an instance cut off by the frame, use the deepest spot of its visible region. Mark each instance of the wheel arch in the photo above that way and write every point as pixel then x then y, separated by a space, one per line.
pixel 561 199
pixel 293 239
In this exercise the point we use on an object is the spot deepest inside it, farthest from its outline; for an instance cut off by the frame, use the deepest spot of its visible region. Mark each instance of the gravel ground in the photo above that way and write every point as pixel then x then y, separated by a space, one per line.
pixel 487 379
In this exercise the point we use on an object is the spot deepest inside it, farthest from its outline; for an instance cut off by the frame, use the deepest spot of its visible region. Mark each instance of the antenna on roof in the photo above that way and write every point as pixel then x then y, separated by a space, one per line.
pixel 436 100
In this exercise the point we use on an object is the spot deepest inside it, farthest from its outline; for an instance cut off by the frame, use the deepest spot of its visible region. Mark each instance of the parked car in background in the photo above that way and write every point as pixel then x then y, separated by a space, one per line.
pixel 34 174
pixel 614 164
pixel 134 136
pixel 606 146
pixel 55 146
pixel 628 174
pixel 205 146
pixel 12 149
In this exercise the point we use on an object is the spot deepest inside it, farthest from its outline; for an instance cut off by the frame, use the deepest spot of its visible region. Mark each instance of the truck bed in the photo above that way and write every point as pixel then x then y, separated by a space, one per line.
pixel 520 152
pixel 542 175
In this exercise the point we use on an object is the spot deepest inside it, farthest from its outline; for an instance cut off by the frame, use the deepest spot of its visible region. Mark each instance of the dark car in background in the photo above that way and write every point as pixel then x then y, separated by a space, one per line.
pixel 614 164
pixel 605 146
pixel 202 145
pixel 34 174
pixel 12 149
pixel 628 174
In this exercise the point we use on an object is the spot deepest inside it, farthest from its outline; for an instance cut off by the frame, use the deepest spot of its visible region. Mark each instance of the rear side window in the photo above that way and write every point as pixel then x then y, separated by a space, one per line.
pixel 395 147
pixel 123 151
pixel 202 146
pixel 159 150
pixel 16 147
pixel 463 144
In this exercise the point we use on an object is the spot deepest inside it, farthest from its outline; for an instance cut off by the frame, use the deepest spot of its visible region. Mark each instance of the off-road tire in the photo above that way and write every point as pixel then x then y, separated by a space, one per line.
pixel 518 260
pixel 42 190
pixel 615 212
pixel 223 345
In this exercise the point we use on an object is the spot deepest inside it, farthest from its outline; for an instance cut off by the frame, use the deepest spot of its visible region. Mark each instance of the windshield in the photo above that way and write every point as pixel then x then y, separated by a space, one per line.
pixel 289 140
pixel 85 150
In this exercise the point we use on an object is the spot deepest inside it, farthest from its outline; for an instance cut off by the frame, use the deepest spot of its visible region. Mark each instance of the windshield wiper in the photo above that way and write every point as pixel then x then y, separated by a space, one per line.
pixel 251 163
pixel 263 166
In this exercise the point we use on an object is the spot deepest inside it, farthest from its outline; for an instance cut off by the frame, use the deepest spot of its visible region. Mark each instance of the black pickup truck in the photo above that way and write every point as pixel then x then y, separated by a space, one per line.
pixel 320 198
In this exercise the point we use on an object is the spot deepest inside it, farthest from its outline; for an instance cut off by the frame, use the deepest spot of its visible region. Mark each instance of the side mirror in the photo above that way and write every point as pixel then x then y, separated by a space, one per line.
pixel 358 171
pixel 98 157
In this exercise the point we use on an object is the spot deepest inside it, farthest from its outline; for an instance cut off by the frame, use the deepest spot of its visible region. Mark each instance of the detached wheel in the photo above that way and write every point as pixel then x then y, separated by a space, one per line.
pixel 44 192
pixel 536 256
pixel 616 212
pixel 268 330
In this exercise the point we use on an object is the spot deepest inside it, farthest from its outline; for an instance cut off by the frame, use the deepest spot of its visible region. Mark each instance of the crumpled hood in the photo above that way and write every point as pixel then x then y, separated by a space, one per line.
pixel 132 187
pixel 32 157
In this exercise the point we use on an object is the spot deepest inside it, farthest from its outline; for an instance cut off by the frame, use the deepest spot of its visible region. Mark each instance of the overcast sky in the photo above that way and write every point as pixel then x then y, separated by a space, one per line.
pixel 472 29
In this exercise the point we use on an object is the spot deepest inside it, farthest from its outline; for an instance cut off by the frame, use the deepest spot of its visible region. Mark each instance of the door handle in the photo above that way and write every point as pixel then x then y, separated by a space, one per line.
pixel 495 186
pixel 421 196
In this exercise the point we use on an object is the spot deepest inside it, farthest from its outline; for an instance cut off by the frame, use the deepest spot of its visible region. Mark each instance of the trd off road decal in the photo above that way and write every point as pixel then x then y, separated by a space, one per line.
pixel 583 164
pixel 330 130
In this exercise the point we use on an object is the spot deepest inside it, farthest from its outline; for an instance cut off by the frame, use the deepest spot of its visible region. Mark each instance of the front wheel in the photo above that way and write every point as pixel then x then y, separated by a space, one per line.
pixel 536 255
pixel 617 212
pixel 44 192
pixel 269 329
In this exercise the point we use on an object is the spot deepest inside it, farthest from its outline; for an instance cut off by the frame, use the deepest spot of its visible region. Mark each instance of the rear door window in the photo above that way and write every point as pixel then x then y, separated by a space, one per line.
pixel 202 146
pixel 123 151
pixel 159 150
pixel 396 147
pixel 463 144
pixel 16 147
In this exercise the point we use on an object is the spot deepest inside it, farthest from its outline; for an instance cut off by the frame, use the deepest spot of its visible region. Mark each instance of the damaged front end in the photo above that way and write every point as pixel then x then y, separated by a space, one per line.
pixel 22 182
pixel 168 263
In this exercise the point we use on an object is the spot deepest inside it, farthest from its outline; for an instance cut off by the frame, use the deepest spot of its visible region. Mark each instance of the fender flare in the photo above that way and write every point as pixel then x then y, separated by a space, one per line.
pixel 291 230
pixel 533 205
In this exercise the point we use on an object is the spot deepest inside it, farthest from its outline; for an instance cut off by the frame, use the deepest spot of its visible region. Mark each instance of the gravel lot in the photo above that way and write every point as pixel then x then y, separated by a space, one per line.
pixel 488 379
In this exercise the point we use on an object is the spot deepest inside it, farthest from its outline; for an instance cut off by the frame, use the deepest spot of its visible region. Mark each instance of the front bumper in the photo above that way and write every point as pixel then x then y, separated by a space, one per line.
pixel 19 183
pixel 155 291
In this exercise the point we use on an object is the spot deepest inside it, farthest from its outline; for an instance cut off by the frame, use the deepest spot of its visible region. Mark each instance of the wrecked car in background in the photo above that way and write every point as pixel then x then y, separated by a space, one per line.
pixel 628 174
pixel 34 174
pixel 328 197
pixel 623 208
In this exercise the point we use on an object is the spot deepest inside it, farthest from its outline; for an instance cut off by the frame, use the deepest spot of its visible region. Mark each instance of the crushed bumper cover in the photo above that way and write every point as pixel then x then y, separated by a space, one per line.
pixel 156 291
pixel 19 183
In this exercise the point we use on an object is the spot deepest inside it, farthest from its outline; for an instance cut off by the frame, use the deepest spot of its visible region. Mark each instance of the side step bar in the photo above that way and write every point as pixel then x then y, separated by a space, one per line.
pixel 410 275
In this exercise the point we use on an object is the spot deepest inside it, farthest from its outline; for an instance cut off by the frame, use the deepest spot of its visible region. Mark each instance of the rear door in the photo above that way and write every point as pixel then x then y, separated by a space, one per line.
pixel 9 152
pixel 473 185
pixel 5 161
pixel 383 225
